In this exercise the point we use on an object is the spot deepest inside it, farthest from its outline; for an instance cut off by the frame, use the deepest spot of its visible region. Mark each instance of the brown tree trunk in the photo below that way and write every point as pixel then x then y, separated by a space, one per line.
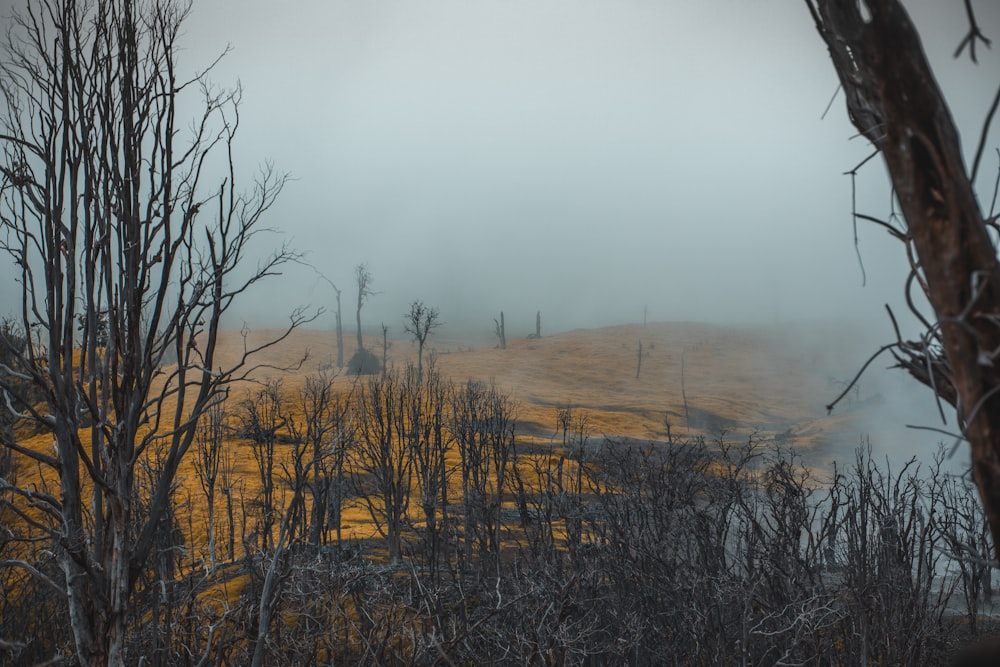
pixel 340 334
pixel 894 100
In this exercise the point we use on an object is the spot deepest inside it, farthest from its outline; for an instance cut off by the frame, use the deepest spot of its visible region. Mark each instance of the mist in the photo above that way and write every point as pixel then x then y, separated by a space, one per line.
pixel 587 159
pixel 598 161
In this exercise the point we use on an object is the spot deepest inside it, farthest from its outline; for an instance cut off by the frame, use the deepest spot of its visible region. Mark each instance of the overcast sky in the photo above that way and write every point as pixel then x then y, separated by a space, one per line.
pixel 585 158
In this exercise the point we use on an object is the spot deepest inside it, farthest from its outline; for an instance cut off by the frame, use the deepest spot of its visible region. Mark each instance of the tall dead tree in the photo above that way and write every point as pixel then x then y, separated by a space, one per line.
pixel 209 443
pixel 385 348
pixel 363 277
pixel 419 323
pixel 322 414
pixel 429 444
pixel 894 100
pixel 339 318
pixel 500 333
pixel 116 208
pixel 383 465
pixel 263 421
pixel 340 331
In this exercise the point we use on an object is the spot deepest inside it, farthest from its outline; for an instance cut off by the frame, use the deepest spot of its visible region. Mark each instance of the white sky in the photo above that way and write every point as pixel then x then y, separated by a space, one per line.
pixel 581 157
pixel 585 158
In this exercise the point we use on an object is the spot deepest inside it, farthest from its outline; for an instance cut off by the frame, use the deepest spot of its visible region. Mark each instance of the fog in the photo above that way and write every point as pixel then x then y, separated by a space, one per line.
pixel 589 159
pixel 585 158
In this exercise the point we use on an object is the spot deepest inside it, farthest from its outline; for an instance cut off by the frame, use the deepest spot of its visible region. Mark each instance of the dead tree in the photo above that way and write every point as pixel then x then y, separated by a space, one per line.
pixel 295 476
pixel 261 419
pixel 499 331
pixel 419 323
pixel 339 320
pixel 208 460
pixel 229 487
pixel 894 100
pixel 342 443
pixel 385 348
pixel 430 445
pixel 483 427
pixel 383 467
pixel 340 332
pixel 111 206
pixel 323 416
pixel 363 277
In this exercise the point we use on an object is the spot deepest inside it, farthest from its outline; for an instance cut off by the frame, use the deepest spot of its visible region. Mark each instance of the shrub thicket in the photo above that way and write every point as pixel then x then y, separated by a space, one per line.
pixel 701 552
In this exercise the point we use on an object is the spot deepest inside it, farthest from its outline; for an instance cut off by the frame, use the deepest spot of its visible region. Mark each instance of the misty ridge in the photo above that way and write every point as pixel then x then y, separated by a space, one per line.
pixel 547 350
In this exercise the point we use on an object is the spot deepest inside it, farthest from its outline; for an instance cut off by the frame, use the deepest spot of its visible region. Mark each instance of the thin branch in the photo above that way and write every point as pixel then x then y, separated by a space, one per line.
pixel 830 406
pixel 972 36
pixel 882 223
pixel 35 572
pixel 982 135
pixel 996 190
pixel 854 212
pixel 830 103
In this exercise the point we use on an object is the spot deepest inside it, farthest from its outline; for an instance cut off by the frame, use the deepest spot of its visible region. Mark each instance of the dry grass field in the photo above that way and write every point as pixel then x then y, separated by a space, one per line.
pixel 353 595
pixel 735 381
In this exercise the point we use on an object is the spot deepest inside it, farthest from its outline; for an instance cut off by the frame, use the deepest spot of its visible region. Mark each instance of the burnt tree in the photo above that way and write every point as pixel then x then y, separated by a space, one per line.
pixel 894 100
pixel 363 277
pixel 123 218
pixel 419 323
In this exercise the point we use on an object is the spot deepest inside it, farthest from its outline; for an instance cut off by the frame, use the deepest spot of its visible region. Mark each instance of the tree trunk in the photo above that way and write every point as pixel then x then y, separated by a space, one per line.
pixel 894 100
pixel 361 344
pixel 340 335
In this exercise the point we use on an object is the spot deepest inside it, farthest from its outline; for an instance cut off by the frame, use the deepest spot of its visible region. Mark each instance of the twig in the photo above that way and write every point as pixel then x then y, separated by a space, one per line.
pixel 830 103
pixel 972 36
pixel 982 136
pixel 857 376
pixel 854 212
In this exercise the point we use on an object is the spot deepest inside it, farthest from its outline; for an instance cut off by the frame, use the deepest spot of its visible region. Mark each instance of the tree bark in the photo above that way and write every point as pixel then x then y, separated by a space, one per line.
pixel 340 334
pixel 117 274
pixel 894 100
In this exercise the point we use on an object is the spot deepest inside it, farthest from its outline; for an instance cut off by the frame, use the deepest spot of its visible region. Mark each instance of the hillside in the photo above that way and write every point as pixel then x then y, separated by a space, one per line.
pixel 736 381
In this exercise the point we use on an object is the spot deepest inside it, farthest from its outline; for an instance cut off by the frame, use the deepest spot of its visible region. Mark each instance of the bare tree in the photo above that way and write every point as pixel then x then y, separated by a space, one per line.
pixel 294 474
pixel 499 331
pixel 383 467
pixel 110 208
pixel 342 442
pixel 483 427
pixel 419 323
pixel 228 487
pixel 385 348
pixel 210 441
pixel 340 322
pixel 323 416
pixel 430 444
pixel 363 277
pixel 340 331
pixel 261 418
pixel 894 101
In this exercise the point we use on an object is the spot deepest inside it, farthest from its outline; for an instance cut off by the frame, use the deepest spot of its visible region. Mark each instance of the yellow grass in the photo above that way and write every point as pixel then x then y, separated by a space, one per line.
pixel 746 380
pixel 736 381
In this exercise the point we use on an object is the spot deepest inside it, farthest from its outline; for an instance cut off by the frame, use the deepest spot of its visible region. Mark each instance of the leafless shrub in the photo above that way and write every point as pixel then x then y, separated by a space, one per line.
pixel 697 552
